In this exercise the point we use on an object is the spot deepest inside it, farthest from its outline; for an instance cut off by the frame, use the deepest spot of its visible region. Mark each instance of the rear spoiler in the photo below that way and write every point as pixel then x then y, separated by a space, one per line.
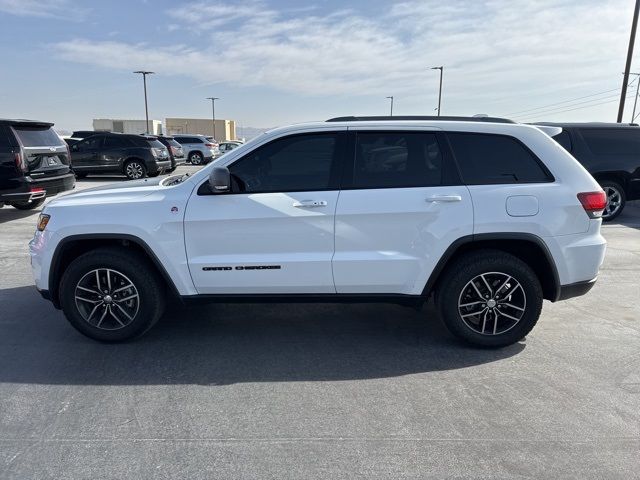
pixel 30 124
pixel 549 130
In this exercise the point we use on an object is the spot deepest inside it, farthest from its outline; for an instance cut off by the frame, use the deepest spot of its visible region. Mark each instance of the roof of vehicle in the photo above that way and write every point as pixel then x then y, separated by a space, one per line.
pixel 479 118
pixel 20 122
pixel 588 124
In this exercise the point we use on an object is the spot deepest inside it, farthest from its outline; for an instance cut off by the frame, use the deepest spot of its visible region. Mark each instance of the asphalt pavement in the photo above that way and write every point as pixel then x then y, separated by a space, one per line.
pixel 320 391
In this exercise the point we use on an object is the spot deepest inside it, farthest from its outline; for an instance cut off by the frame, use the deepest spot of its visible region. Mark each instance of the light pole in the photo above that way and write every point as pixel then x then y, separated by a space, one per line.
pixel 213 113
pixel 391 98
pixel 144 80
pixel 632 39
pixel 441 68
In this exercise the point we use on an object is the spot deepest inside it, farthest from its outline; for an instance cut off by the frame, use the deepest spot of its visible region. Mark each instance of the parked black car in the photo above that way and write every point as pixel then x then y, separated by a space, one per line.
pixel 611 153
pixel 80 135
pixel 136 156
pixel 34 163
pixel 176 153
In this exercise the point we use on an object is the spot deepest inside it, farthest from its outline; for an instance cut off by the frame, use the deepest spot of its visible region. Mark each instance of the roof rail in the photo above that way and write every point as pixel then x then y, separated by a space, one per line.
pixel 418 117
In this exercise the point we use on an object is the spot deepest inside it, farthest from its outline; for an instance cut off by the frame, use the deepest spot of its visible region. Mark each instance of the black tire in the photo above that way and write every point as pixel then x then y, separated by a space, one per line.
pixel 615 193
pixel 455 295
pixel 81 175
pixel 196 158
pixel 28 204
pixel 143 311
pixel 135 169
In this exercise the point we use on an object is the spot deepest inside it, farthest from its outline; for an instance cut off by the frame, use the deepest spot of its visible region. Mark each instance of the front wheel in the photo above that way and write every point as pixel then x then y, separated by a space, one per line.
pixel 616 200
pixel 28 204
pixel 134 170
pixel 489 298
pixel 111 295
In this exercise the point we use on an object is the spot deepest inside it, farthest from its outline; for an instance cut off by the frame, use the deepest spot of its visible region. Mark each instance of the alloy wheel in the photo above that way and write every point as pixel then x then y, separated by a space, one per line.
pixel 614 202
pixel 492 303
pixel 134 171
pixel 196 159
pixel 107 299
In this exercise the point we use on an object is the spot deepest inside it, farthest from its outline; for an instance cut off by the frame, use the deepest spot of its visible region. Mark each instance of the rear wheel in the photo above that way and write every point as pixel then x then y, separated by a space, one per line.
pixel 28 204
pixel 490 298
pixel 111 295
pixel 616 200
pixel 134 170
pixel 196 158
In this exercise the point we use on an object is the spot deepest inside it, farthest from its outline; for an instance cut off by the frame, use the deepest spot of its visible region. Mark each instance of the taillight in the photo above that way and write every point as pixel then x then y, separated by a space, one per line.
pixel 21 165
pixel 208 145
pixel 593 203
pixel 36 189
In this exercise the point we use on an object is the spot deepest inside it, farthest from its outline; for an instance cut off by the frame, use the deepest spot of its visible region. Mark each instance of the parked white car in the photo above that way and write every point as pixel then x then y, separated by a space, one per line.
pixel 489 217
pixel 198 149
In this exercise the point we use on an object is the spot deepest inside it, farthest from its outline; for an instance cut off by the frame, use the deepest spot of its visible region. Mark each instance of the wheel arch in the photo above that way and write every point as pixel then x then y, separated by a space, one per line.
pixel 132 158
pixel 526 246
pixel 619 177
pixel 73 246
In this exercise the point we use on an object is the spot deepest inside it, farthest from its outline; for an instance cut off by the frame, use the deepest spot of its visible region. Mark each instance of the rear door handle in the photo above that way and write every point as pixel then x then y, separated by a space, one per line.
pixel 310 204
pixel 444 198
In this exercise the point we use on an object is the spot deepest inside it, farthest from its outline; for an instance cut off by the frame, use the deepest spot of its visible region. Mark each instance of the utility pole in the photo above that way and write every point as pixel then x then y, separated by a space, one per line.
pixel 391 98
pixel 144 81
pixel 213 114
pixel 632 40
pixel 441 68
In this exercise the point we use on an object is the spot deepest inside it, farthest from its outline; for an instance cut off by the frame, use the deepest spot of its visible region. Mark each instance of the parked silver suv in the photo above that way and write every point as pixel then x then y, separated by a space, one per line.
pixel 198 149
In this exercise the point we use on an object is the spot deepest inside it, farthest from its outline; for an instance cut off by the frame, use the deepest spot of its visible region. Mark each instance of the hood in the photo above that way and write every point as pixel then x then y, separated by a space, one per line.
pixel 114 193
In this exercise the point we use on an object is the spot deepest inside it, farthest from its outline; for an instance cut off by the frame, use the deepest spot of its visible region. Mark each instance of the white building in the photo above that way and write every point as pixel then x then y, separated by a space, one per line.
pixel 127 126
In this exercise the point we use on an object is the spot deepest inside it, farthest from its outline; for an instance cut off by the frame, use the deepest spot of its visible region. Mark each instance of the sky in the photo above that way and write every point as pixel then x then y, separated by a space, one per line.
pixel 274 62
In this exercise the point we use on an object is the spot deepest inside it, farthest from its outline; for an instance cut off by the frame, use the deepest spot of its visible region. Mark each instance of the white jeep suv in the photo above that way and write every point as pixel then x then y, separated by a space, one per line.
pixel 489 216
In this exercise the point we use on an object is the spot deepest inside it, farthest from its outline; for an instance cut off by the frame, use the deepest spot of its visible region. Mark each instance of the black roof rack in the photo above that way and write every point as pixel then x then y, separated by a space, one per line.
pixel 418 117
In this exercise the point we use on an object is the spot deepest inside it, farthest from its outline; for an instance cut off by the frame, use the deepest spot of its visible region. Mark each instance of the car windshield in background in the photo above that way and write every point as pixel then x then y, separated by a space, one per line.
pixel 38 137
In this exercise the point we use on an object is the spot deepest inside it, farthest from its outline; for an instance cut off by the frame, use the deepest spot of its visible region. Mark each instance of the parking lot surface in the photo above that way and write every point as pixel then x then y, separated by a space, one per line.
pixel 320 391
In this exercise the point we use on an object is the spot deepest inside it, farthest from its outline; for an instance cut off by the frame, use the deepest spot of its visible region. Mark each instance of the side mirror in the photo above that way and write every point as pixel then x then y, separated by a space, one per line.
pixel 220 180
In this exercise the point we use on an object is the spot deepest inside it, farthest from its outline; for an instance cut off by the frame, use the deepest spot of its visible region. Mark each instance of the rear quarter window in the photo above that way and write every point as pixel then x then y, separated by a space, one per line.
pixel 613 141
pixel 156 143
pixel 495 159
pixel 37 137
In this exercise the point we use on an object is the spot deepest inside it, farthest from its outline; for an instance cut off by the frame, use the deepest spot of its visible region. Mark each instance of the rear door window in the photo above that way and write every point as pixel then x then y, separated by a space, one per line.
pixel 92 143
pixel 397 160
pixel 38 137
pixel 612 141
pixel 495 159
pixel 116 142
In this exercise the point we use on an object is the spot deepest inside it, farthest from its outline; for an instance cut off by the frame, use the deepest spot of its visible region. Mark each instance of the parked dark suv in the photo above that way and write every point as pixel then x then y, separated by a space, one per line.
pixel 136 156
pixel 176 153
pixel 611 153
pixel 34 163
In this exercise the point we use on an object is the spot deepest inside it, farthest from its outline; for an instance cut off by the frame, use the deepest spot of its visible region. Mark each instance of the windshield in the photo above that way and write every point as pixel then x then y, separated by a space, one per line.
pixel 38 137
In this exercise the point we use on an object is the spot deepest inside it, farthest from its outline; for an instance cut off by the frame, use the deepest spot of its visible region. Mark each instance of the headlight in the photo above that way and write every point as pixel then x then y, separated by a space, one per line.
pixel 43 220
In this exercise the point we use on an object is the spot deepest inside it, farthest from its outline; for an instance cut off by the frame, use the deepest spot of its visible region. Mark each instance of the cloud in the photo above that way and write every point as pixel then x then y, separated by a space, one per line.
pixel 492 50
pixel 43 8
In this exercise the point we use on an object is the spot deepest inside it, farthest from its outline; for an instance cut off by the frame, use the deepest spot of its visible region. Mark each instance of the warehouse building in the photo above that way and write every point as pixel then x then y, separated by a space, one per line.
pixel 127 126
pixel 224 129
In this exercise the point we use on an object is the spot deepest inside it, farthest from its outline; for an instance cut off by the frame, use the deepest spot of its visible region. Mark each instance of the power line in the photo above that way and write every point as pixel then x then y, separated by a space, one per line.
pixel 563 102
pixel 544 112
pixel 584 106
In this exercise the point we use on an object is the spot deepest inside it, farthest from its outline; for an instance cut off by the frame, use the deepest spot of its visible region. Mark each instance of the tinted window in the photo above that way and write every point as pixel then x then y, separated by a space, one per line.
pixel 171 142
pixel 564 140
pixel 613 141
pixel 298 163
pixel 490 159
pixel 38 137
pixel 403 159
pixel 91 143
pixel 116 142
pixel 155 143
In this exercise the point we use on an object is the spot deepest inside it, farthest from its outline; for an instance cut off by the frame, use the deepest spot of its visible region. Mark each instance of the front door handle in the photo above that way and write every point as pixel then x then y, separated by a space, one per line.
pixel 444 198
pixel 310 204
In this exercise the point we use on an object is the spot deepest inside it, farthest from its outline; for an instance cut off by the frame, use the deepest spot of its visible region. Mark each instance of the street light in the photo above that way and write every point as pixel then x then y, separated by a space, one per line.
pixel 144 80
pixel 213 113
pixel 391 98
pixel 441 68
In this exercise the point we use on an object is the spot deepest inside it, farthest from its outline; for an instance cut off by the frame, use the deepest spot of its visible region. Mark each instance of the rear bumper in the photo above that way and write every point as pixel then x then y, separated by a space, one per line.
pixel 576 289
pixel 45 187
pixel 55 185
pixel 160 165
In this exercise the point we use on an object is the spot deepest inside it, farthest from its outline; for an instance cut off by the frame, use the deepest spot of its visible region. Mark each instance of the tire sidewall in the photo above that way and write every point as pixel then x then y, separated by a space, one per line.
pixel 144 169
pixel 151 300
pixel 196 158
pixel 623 198
pixel 458 279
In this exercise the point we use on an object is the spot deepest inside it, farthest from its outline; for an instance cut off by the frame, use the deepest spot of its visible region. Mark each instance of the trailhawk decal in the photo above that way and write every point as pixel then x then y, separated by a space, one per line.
pixel 242 267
